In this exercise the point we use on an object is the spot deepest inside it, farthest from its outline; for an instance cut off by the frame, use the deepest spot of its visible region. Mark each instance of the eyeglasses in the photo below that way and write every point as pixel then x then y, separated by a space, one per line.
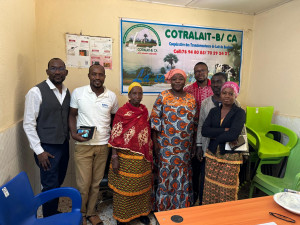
pixel 200 71
pixel 282 217
pixel 53 69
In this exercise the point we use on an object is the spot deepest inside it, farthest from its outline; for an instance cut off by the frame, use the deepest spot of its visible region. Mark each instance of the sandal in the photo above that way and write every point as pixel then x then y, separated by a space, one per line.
pixel 84 221
pixel 95 220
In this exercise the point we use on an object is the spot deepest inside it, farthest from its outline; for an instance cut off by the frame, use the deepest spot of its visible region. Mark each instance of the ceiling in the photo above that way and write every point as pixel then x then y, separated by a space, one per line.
pixel 251 7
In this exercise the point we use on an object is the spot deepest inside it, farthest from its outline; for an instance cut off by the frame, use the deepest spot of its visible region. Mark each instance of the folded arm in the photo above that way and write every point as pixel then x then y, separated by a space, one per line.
pixel 208 130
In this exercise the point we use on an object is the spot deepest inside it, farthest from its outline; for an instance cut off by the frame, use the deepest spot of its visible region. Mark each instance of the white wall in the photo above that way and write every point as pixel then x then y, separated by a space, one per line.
pixel 17 75
pixel 274 77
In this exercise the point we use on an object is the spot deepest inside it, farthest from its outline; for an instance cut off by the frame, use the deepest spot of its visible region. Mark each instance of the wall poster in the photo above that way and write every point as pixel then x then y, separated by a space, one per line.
pixel 149 50
pixel 83 51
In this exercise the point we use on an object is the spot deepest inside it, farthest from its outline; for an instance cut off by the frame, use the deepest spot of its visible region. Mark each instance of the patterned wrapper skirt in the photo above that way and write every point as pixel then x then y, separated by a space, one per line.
pixel 174 189
pixel 221 177
pixel 131 186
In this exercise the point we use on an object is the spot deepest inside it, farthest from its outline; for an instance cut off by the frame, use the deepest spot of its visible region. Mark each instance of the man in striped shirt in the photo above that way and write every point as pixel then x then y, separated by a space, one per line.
pixel 201 89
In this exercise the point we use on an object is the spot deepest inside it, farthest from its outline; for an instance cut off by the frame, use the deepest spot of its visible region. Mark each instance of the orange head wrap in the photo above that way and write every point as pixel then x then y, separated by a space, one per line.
pixel 172 72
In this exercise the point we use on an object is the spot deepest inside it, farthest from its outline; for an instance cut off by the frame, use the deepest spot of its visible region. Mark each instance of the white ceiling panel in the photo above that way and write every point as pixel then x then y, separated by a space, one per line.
pixel 239 6
pixel 169 2
pixel 251 7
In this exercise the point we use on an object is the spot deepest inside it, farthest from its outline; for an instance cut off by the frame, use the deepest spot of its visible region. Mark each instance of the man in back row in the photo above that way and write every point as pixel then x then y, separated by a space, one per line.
pixel 93 105
pixel 201 89
pixel 46 126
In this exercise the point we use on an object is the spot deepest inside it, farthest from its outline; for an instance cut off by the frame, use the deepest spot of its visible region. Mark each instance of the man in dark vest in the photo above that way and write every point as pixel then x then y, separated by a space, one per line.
pixel 46 126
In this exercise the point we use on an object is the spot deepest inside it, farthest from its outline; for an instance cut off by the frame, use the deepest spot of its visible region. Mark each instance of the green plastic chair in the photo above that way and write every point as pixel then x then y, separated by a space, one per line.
pixel 258 124
pixel 272 185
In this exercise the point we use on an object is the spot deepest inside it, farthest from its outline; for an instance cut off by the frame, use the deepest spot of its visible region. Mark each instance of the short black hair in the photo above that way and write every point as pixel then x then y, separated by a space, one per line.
pixel 55 59
pixel 222 75
pixel 96 64
pixel 201 63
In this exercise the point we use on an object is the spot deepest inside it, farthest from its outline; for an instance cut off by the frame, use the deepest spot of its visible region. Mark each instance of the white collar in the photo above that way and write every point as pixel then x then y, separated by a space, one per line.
pixel 52 86
pixel 104 94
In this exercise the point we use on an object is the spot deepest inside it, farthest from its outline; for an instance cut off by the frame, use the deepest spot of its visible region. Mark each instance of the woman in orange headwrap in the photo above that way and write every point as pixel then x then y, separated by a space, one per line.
pixel 172 123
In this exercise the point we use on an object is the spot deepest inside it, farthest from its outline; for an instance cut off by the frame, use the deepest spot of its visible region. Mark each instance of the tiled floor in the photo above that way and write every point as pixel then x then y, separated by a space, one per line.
pixel 105 210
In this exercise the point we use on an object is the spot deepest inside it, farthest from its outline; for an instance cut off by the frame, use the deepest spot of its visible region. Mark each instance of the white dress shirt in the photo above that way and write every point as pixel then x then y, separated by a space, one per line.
pixel 33 100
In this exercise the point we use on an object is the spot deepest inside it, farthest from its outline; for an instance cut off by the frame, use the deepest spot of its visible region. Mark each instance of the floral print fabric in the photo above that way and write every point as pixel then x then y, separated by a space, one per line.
pixel 174 118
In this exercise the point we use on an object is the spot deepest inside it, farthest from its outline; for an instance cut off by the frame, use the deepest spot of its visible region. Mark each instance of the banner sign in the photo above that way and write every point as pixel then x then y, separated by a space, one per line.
pixel 149 50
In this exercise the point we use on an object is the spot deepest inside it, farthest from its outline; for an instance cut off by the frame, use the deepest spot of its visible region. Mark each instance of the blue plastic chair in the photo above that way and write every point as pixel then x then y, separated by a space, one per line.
pixel 18 205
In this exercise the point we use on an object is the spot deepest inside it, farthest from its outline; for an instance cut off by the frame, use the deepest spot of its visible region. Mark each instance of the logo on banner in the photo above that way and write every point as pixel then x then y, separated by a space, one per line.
pixel 142 39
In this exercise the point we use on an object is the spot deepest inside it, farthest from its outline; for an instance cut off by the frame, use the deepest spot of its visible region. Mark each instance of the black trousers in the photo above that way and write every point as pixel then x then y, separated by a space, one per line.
pixel 198 179
pixel 54 177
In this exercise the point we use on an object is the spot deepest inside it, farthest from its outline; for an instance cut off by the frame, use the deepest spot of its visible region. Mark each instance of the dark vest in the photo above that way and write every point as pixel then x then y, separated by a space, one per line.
pixel 52 121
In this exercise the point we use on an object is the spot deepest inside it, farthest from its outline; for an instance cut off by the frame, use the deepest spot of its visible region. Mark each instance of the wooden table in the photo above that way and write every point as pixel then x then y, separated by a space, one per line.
pixel 248 211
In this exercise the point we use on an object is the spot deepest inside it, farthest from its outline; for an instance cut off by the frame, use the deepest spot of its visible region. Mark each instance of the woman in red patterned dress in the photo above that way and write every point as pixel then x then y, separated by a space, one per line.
pixel 131 165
